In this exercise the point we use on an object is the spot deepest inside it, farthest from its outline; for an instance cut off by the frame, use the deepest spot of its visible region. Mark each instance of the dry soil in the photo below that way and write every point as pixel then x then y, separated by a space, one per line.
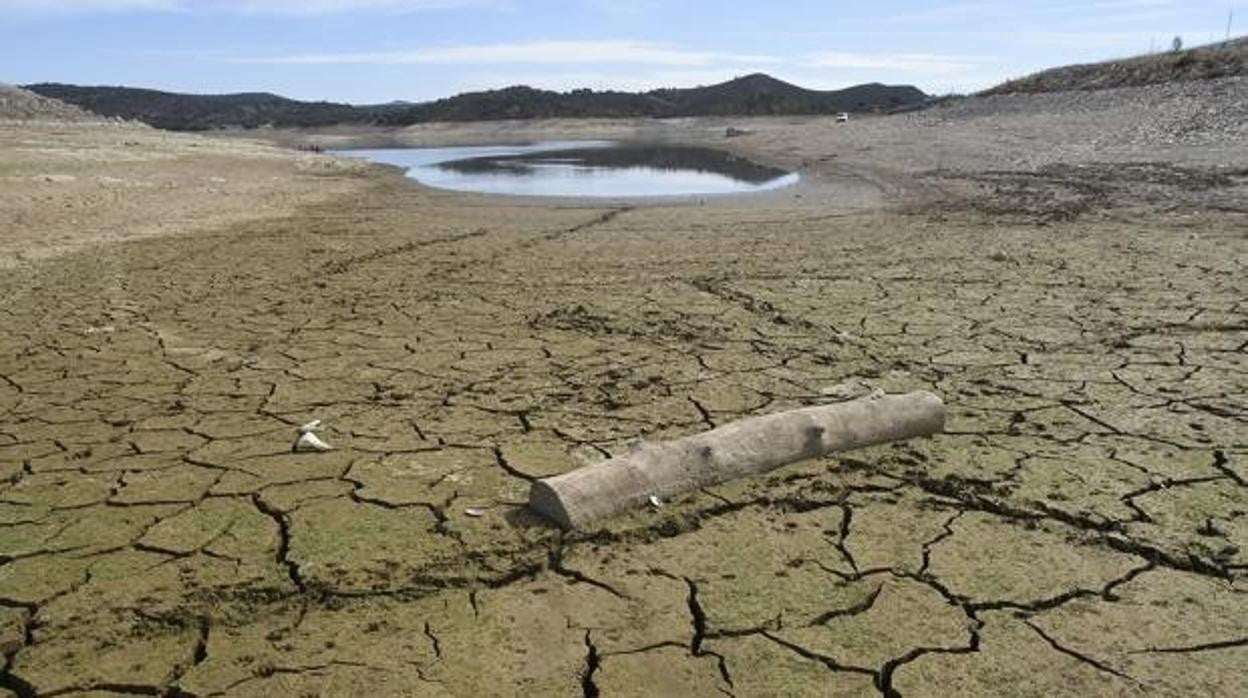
pixel 1069 276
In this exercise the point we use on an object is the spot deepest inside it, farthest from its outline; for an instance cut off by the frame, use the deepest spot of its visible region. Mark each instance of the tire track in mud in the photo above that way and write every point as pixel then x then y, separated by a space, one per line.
pixel 342 266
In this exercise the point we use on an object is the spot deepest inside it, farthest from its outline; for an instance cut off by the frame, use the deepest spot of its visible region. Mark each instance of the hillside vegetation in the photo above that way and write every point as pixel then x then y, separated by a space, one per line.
pixel 752 95
pixel 1201 63
pixel 181 112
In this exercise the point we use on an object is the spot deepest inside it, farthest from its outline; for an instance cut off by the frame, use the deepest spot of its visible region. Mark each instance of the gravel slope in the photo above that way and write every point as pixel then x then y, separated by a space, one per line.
pixel 17 104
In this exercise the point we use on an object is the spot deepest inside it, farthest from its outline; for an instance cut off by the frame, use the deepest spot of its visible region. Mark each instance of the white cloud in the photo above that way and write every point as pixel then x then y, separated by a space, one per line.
pixel 640 65
pixel 322 7
pixel 245 7
pixel 927 63
pixel 67 7
pixel 631 81
pixel 1021 12
pixel 565 52
pixel 623 8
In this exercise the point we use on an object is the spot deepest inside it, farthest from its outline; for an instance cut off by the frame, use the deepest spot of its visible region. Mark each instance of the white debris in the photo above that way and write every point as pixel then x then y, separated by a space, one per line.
pixel 474 513
pixel 311 426
pixel 310 443
pixel 656 502
pixel 848 390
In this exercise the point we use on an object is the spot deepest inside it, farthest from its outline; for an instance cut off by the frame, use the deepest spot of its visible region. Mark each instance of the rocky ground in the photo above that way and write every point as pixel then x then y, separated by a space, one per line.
pixel 1079 529
pixel 25 106
pixel 1214 60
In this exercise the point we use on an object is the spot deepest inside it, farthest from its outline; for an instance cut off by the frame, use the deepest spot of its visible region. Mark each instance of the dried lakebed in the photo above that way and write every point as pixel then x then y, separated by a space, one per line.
pixel 1079 529
pixel 596 169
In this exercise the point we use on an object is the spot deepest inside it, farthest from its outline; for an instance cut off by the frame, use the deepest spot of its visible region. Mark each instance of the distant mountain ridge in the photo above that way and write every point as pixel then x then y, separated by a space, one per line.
pixel 751 95
pixel 181 112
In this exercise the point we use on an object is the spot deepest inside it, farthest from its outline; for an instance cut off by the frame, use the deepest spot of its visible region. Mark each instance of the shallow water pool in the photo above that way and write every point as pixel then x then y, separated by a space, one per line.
pixel 583 169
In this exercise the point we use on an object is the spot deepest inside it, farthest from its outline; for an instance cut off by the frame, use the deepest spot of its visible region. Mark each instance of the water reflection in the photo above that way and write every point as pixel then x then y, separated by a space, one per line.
pixel 654 157
pixel 585 168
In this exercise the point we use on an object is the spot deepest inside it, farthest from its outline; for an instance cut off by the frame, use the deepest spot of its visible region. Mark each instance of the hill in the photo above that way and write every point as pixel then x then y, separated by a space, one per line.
pixel 523 102
pixel 1201 63
pixel 760 94
pixel 183 112
pixel 750 95
pixel 17 104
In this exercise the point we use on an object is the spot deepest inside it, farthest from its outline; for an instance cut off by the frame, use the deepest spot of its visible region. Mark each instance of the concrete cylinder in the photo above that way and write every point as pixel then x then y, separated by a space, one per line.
pixel 746 447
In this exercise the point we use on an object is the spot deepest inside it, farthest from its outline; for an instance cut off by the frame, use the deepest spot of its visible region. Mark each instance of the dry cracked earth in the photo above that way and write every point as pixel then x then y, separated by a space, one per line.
pixel 1081 528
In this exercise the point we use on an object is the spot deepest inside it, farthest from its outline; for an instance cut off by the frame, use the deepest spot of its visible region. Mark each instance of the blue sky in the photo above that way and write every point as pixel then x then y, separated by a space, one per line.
pixel 367 51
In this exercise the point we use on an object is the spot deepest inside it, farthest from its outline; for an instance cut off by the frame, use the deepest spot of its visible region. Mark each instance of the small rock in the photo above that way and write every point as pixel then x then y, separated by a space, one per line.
pixel 310 443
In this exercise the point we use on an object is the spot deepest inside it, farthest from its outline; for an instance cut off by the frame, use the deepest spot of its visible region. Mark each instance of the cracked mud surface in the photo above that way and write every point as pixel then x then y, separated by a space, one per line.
pixel 1081 527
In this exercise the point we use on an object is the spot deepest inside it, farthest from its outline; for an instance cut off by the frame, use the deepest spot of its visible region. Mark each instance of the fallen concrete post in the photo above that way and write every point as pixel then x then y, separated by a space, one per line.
pixel 747 447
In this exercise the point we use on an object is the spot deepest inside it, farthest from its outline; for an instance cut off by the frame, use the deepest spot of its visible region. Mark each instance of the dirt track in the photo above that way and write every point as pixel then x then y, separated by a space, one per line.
pixel 1080 529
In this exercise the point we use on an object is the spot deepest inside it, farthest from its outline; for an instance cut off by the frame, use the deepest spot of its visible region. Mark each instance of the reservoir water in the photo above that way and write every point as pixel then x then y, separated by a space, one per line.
pixel 582 169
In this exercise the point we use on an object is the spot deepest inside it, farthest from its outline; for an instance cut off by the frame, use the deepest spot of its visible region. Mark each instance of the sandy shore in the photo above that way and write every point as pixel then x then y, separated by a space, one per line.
pixel 1080 529
pixel 63 186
